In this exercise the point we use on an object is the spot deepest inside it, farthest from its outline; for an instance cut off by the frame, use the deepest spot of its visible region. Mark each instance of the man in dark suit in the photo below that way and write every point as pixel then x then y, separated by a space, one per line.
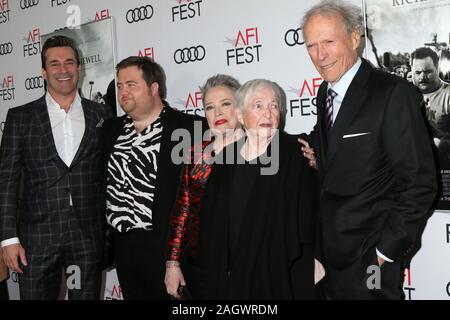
pixel 143 172
pixel 52 145
pixel 374 159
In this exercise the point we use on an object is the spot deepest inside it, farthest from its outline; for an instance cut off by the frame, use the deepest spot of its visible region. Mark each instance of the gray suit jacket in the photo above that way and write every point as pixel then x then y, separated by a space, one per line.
pixel 28 152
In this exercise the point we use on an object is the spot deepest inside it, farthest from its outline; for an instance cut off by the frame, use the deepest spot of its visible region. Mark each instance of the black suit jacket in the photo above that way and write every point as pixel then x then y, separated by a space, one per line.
pixel 168 171
pixel 28 150
pixel 377 172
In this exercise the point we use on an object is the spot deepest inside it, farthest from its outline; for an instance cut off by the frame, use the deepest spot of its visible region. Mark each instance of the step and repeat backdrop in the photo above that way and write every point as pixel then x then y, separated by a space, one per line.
pixel 192 40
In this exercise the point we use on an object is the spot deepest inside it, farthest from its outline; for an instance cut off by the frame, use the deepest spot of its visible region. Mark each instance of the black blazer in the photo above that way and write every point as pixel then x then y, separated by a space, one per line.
pixel 168 172
pixel 28 149
pixel 377 171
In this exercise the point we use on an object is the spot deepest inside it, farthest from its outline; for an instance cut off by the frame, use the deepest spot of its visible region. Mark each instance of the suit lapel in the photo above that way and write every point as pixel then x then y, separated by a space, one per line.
pixel 350 106
pixel 89 131
pixel 164 159
pixel 323 131
pixel 43 119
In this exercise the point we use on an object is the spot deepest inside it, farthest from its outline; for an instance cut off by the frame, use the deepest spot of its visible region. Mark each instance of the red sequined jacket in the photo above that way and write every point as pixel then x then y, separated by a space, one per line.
pixel 185 223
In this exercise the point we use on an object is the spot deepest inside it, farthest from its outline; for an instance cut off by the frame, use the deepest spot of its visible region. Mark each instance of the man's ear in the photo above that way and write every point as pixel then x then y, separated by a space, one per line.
pixel 44 74
pixel 356 39
pixel 154 88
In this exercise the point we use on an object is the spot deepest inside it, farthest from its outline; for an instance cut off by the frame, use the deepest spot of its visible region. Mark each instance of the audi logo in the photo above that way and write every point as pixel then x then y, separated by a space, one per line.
pixel 191 54
pixel 292 37
pixel 139 14
pixel 25 4
pixel 34 83
pixel 6 48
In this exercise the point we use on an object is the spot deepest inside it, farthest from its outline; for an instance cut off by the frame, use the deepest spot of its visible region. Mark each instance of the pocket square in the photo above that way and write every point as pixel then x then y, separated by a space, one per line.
pixel 356 135
pixel 100 123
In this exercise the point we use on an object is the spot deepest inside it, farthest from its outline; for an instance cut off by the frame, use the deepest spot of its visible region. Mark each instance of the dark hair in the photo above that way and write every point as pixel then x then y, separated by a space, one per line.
pixel 152 71
pixel 110 96
pixel 424 52
pixel 59 41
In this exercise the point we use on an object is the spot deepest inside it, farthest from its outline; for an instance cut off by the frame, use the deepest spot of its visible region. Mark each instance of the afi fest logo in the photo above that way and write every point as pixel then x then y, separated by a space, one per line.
pixel 4 11
pixel 186 9
pixel 33 45
pixel 147 52
pixel 57 3
pixel 408 288
pixel 192 104
pixel 102 14
pixel 306 103
pixel 139 14
pixel 246 47
pixel 7 89
pixel 116 293
pixel 26 4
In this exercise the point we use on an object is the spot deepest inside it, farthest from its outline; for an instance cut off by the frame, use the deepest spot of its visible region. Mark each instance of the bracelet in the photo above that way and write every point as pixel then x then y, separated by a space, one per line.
pixel 172 264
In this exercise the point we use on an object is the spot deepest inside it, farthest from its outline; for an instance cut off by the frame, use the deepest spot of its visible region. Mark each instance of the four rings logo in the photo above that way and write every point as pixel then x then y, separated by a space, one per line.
pixel 25 4
pixel 34 83
pixel 191 54
pixel 139 14
pixel 6 48
pixel 294 37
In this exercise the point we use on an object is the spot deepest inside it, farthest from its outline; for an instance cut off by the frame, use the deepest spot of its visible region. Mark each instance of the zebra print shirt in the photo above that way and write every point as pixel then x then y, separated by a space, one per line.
pixel 131 179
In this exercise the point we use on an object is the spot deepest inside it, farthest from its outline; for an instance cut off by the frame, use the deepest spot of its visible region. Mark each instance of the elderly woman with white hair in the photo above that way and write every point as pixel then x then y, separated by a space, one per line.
pixel 258 208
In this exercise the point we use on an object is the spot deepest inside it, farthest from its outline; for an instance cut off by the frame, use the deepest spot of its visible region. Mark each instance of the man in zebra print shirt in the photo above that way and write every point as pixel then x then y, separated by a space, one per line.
pixel 142 179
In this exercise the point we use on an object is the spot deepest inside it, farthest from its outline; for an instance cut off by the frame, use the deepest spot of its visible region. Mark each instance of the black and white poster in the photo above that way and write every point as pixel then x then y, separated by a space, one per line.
pixel 95 42
pixel 411 39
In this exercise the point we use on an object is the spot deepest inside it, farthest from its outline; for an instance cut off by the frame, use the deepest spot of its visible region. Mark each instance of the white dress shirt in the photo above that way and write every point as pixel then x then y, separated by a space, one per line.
pixel 68 130
pixel 341 87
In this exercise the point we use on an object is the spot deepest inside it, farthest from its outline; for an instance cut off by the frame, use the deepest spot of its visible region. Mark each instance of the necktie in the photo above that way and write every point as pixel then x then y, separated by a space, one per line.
pixel 329 107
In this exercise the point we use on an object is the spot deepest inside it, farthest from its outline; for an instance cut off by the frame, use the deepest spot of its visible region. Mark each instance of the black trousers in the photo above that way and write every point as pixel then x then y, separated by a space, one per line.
pixel 357 282
pixel 4 291
pixel 140 264
pixel 76 255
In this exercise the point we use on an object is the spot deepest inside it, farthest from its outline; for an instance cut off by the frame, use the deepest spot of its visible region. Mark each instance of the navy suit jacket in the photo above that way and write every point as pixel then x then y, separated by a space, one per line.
pixel 377 173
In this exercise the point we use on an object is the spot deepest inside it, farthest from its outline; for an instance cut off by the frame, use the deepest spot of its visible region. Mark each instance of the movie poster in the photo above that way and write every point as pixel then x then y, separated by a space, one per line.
pixel 411 38
pixel 95 42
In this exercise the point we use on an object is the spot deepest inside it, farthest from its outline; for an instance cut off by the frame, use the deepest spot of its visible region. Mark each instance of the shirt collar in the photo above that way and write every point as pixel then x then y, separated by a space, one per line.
pixel 53 105
pixel 342 85
pixel 129 122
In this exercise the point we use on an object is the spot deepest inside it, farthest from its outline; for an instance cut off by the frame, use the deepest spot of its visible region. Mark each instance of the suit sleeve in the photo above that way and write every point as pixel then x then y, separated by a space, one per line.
pixel 407 145
pixel 11 163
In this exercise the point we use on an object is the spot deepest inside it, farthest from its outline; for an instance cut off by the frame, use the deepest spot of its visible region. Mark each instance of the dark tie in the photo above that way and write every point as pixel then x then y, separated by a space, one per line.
pixel 329 107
